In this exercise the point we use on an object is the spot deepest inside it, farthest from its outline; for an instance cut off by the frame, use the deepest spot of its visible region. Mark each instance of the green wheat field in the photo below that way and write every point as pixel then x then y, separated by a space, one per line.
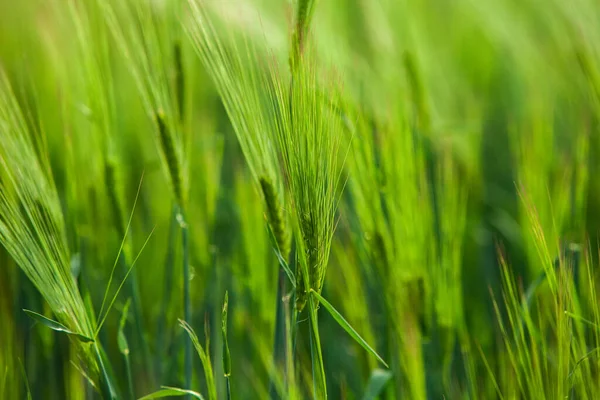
pixel 299 199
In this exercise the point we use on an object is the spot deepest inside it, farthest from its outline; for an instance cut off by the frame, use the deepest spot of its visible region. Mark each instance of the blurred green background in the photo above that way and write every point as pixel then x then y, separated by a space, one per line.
pixel 485 180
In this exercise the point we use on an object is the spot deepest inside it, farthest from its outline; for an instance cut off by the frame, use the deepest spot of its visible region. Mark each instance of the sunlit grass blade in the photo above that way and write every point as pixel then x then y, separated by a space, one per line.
pixel 56 326
pixel 168 391
pixel 347 327
pixel 377 382
pixel 204 358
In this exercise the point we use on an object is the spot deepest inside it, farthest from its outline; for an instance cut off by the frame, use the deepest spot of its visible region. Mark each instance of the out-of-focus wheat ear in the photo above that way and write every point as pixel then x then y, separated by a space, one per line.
pixel 179 80
pixel 276 217
pixel 417 92
pixel 303 18
pixel 379 250
pixel 112 181
pixel 167 145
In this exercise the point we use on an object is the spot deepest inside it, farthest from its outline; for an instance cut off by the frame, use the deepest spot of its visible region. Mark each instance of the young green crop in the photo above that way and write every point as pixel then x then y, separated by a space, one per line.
pixel 418 174
pixel 32 228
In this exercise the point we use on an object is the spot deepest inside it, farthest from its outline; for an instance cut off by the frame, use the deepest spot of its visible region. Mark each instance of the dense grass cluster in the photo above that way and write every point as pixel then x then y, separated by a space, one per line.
pixel 290 199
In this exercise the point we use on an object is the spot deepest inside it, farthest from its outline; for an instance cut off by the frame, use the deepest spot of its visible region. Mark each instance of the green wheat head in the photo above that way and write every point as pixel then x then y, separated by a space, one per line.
pixel 146 50
pixel 171 156
pixel 31 224
pixel 309 140
pixel 243 79
pixel 276 216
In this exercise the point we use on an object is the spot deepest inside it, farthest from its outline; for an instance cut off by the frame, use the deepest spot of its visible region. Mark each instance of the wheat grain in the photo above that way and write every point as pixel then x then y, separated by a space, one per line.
pixel 276 217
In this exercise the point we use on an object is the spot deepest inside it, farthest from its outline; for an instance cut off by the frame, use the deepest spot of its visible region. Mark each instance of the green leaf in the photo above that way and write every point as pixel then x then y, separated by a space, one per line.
pixel 56 326
pixel 204 358
pixel 108 385
pixel 377 382
pixel 226 354
pixel 167 391
pixel 122 342
pixel 344 324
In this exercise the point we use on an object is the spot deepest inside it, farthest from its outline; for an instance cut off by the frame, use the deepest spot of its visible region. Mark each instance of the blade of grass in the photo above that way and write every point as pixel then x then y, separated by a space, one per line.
pixel 56 326
pixel 204 358
pixel 377 383
pixel 168 391
pixel 347 327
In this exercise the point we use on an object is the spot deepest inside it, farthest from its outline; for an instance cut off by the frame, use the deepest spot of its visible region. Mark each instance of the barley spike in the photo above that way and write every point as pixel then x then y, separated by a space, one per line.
pixel 168 148
pixel 112 185
pixel 275 217
pixel 179 80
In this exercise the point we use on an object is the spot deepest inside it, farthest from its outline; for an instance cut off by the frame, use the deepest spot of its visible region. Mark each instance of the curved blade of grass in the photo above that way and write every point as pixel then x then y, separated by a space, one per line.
pixel 582 359
pixel 347 327
pixel 167 391
pixel 581 319
pixel 377 382
pixel 56 326
pixel 204 358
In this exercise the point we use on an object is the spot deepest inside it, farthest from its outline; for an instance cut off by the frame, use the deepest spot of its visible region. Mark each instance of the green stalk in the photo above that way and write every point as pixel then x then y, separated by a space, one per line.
pixel 279 340
pixel 294 333
pixel 319 379
pixel 187 305
pixel 129 377
pixel 137 316
pixel 168 286
pixel 106 386
pixel 290 345
pixel 226 355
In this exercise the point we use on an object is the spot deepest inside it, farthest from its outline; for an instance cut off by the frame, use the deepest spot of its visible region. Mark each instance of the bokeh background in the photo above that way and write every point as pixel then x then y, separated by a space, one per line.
pixel 496 186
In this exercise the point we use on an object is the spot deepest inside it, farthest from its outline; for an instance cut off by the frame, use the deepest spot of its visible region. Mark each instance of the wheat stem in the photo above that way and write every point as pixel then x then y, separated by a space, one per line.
pixel 187 304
